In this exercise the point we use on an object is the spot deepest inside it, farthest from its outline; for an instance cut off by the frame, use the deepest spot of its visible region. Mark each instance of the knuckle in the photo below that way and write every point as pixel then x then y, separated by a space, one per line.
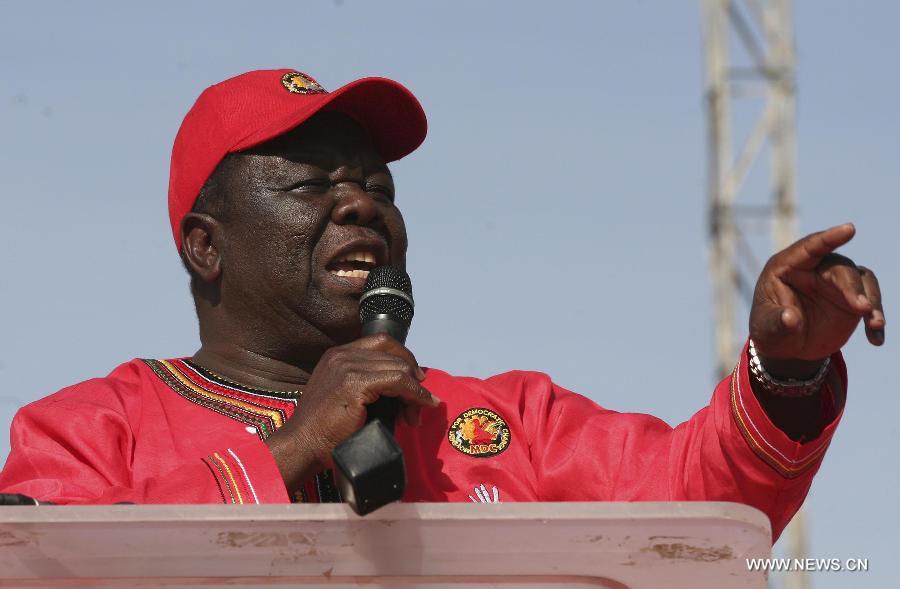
pixel 403 378
pixel 354 379
pixel 380 340
pixel 338 365
pixel 393 378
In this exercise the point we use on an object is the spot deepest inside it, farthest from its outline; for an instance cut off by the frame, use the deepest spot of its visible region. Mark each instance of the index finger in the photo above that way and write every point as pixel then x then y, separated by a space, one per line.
pixel 382 342
pixel 806 253
pixel 402 386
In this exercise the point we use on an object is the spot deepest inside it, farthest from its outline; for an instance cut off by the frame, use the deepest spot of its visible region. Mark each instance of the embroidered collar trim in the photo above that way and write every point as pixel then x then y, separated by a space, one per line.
pixel 264 410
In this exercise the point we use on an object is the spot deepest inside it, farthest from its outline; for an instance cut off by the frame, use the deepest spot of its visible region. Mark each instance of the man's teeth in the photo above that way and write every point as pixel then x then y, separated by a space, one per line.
pixel 359 257
pixel 355 258
pixel 352 273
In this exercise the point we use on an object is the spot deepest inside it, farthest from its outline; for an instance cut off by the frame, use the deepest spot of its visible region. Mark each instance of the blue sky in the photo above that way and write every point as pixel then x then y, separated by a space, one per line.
pixel 564 170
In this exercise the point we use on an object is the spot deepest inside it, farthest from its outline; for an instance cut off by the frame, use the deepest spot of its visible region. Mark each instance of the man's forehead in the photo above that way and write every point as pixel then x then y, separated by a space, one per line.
pixel 328 139
pixel 319 159
pixel 328 128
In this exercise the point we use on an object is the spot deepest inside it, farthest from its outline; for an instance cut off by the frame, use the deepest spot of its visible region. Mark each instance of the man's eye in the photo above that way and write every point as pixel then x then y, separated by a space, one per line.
pixel 311 185
pixel 381 191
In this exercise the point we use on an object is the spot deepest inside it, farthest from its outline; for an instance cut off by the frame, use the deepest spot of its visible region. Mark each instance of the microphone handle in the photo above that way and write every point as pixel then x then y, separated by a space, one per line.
pixel 385 409
pixel 385 323
pixel 16 499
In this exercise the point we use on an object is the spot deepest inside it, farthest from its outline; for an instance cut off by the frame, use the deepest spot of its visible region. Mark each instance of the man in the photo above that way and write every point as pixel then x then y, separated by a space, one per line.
pixel 280 202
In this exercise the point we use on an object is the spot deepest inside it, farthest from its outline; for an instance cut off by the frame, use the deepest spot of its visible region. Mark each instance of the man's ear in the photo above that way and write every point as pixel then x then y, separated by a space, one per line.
pixel 201 237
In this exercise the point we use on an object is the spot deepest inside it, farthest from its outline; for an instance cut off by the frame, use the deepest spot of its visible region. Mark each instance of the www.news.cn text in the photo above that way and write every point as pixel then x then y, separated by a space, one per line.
pixel 808 564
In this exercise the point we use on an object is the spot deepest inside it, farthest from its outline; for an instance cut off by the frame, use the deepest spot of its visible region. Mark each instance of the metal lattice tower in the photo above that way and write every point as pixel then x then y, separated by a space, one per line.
pixel 761 32
pixel 749 62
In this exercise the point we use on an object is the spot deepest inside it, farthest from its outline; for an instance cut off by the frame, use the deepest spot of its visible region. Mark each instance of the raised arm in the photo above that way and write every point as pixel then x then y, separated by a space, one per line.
pixel 757 442
pixel 807 303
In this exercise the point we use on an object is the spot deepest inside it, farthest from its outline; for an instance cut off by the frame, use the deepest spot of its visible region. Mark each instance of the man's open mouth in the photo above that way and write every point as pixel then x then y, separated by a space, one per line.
pixel 354 265
pixel 356 259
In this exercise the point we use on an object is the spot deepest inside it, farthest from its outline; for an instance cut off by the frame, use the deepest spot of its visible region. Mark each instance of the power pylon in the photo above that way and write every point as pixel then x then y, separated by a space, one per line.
pixel 761 32
pixel 750 87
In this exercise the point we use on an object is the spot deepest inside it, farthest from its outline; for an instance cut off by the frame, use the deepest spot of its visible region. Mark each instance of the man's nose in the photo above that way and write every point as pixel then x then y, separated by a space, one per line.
pixel 355 206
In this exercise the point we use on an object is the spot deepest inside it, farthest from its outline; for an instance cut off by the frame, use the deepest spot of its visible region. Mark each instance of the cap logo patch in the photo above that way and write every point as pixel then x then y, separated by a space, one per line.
pixel 479 432
pixel 299 83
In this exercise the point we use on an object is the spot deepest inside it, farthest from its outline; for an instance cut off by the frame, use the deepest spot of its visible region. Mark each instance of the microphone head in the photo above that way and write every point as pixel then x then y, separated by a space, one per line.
pixel 388 291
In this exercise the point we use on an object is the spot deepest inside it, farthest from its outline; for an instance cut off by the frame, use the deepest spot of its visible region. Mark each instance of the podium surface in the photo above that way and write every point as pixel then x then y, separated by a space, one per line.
pixel 612 545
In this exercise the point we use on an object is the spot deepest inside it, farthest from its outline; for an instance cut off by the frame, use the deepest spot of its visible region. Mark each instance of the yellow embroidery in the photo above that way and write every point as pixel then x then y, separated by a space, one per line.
pixel 230 476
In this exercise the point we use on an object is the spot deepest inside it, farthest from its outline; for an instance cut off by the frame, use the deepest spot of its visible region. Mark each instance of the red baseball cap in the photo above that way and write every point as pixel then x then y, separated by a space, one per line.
pixel 252 108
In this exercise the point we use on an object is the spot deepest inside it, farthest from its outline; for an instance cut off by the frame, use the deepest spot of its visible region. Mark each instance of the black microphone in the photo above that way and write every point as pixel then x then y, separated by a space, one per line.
pixel 17 499
pixel 386 306
pixel 369 464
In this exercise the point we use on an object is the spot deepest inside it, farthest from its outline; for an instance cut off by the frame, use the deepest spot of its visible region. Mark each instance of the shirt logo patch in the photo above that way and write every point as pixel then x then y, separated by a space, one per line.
pixel 299 83
pixel 479 432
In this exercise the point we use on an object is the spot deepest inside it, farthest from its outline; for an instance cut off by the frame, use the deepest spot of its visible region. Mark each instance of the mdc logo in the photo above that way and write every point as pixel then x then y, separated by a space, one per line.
pixel 479 432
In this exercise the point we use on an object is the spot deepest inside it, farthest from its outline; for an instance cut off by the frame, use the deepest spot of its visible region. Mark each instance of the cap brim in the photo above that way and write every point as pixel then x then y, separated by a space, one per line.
pixel 387 110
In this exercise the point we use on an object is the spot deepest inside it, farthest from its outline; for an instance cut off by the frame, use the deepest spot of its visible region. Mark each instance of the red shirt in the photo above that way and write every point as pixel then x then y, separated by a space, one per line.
pixel 170 432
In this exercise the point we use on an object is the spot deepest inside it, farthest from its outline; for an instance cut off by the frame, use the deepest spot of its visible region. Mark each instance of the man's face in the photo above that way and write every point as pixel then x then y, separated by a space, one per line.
pixel 307 215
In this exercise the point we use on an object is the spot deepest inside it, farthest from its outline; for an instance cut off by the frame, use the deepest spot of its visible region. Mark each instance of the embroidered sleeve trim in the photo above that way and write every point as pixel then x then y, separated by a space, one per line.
pixel 221 479
pixel 785 465
pixel 234 485
pixel 217 475
pixel 246 476
pixel 231 476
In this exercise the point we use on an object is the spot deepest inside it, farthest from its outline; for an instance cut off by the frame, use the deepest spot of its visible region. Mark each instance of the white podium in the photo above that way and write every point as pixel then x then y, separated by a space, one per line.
pixel 612 545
